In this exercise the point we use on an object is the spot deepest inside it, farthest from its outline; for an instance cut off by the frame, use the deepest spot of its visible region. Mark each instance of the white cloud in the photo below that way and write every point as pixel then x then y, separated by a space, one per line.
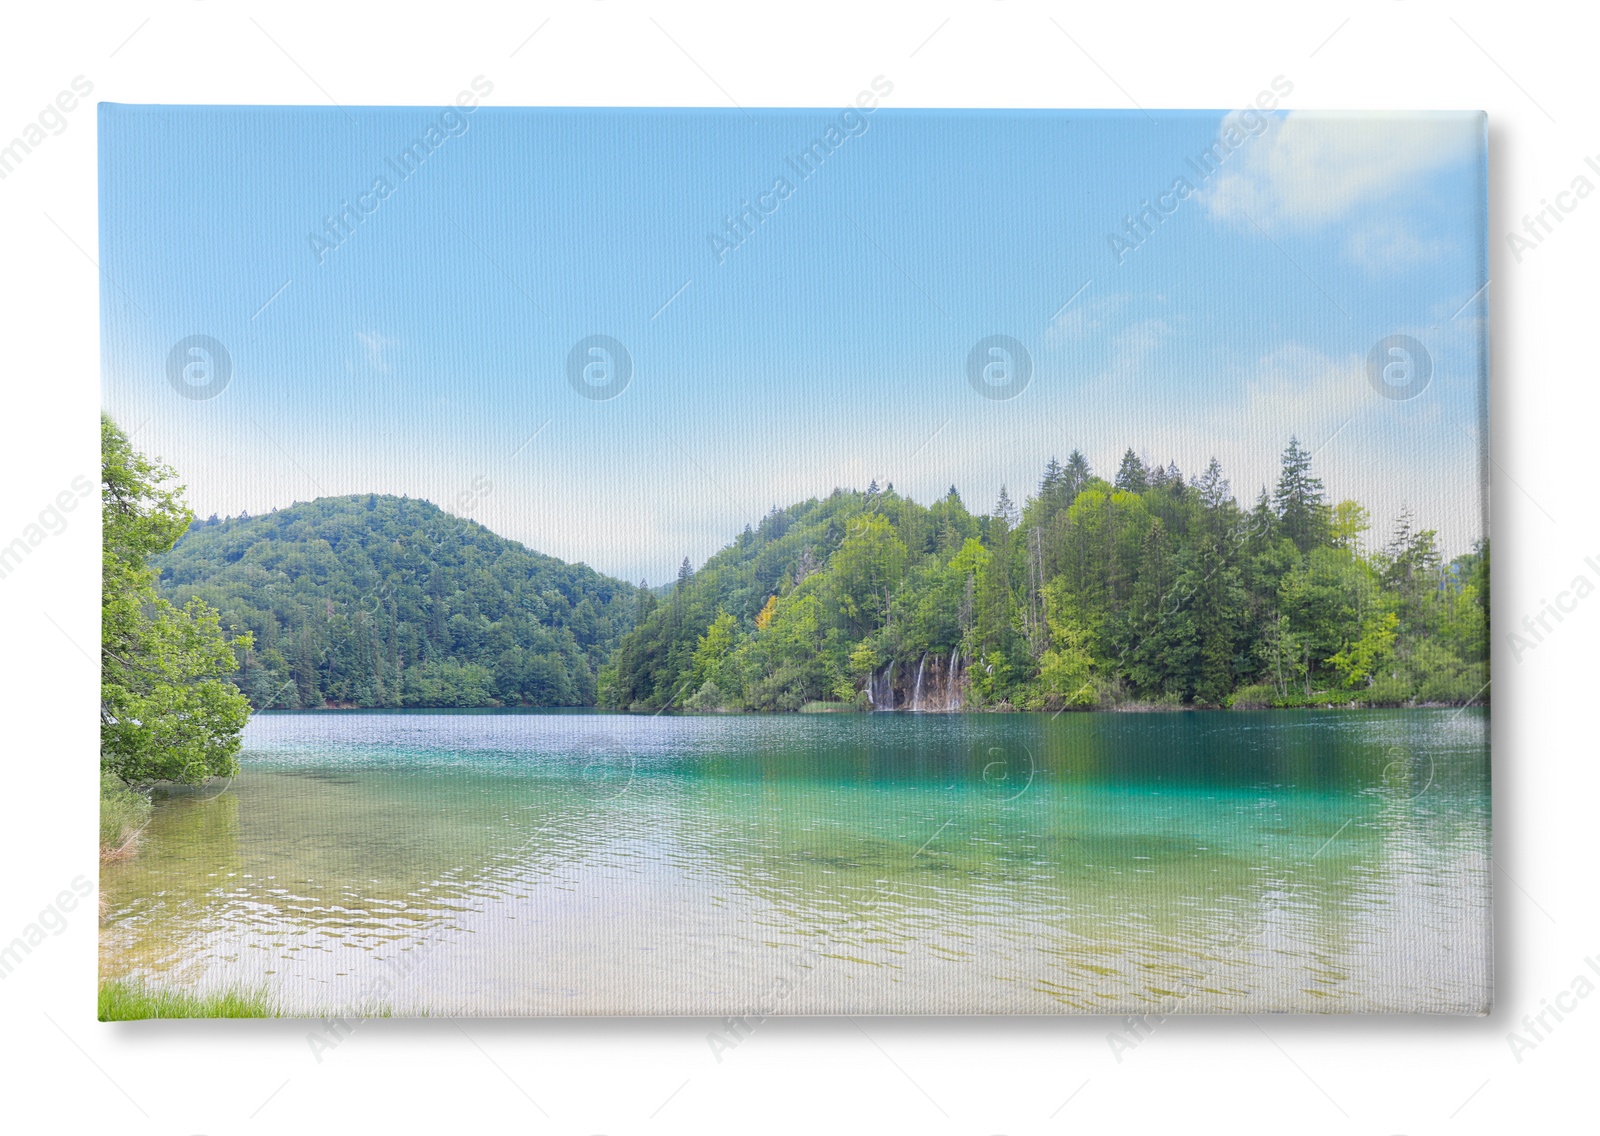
pixel 376 346
pixel 1317 167
pixel 1383 246
pixel 1303 391
pixel 1104 321
pixel 1133 347
pixel 1086 318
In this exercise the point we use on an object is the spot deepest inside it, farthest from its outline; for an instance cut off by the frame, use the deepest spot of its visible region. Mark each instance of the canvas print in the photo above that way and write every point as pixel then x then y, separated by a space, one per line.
pixel 738 563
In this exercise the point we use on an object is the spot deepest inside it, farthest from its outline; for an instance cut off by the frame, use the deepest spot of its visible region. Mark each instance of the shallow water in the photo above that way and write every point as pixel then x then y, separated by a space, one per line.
pixel 581 863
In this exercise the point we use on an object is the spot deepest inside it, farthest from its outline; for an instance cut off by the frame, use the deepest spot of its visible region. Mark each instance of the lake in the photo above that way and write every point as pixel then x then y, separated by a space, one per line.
pixel 521 863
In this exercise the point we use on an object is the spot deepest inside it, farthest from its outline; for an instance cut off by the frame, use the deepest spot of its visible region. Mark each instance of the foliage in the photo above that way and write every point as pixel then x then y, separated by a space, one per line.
pixel 1154 589
pixel 123 812
pixel 374 600
pixel 167 709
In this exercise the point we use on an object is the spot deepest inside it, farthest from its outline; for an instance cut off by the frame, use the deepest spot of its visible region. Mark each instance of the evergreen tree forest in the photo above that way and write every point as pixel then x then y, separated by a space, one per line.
pixel 1146 589
pixel 378 601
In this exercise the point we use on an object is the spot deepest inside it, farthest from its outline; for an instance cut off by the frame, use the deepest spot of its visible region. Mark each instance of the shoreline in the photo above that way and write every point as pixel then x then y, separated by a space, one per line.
pixel 845 708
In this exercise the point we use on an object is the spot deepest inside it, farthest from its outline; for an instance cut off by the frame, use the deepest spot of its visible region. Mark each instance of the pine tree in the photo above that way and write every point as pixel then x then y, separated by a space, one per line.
pixel 1132 477
pixel 1263 521
pixel 1004 510
pixel 1213 487
pixel 1218 610
pixel 1075 476
pixel 1051 483
pixel 1299 501
pixel 644 603
pixel 1158 646
pixel 1412 567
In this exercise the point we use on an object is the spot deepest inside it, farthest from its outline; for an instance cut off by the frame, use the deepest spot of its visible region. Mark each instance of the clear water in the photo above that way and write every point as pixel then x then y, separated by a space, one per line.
pixel 580 863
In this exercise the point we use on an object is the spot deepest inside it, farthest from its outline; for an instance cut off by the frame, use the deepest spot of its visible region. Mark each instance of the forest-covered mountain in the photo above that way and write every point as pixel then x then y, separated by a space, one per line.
pixel 1145 588
pixel 374 600
pixel 1148 588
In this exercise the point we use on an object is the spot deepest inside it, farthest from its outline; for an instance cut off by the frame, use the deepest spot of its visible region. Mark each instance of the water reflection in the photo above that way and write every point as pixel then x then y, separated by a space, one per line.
pixel 559 863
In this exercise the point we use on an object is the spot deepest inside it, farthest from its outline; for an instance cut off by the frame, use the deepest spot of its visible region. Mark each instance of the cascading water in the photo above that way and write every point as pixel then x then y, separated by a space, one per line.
pixel 881 694
pixel 887 701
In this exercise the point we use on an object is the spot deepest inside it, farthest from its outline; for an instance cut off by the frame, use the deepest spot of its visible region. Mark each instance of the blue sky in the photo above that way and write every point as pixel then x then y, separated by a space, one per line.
pixel 421 352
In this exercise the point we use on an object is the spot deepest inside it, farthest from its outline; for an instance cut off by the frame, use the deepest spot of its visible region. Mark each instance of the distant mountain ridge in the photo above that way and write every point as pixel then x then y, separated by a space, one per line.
pixel 375 600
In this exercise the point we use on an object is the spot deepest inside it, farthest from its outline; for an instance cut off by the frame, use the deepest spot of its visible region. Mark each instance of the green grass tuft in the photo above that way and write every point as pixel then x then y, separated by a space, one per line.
pixel 123 813
pixel 124 1001
pixel 829 708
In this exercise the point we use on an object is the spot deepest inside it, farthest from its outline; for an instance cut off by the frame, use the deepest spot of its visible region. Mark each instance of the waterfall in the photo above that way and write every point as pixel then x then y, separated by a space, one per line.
pixel 950 692
pixel 885 691
pixel 916 691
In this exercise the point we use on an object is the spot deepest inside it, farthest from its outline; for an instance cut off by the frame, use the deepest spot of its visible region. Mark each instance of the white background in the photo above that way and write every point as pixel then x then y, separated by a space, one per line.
pixel 1529 65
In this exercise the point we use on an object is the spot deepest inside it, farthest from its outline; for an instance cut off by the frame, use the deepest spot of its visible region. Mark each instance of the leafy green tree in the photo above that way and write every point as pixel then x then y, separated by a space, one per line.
pixel 1350 521
pixel 167 711
pixel 1360 661
pixel 1280 656
pixel 1066 667
pixel 789 655
pixel 711 660
pixel 865 571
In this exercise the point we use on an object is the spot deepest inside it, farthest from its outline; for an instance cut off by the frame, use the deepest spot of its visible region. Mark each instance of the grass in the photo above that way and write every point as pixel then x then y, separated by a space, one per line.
pixel 828 708
pixel 122 1001
pixel 123 814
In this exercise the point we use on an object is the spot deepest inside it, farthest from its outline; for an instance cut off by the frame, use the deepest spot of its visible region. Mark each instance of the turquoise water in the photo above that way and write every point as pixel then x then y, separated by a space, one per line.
pixel 581 863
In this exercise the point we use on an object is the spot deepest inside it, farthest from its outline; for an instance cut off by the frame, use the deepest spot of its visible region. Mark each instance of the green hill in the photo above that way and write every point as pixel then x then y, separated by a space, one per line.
pixel 386 601
pixel 1147 589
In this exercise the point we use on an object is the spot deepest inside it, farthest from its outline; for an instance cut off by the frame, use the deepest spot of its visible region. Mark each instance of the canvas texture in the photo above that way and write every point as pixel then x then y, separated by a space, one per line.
pixel 739 563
